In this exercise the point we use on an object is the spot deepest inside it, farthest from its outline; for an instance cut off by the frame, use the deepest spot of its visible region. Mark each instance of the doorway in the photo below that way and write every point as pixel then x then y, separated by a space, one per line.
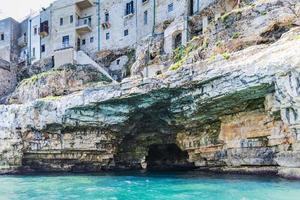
pixel 78 44
pixel 177 40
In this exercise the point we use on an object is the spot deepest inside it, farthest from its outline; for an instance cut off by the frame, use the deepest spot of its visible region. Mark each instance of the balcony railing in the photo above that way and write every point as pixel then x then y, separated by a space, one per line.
pixel 22 41
pixel 84 4
pixel 44 31
pixel 84 25
pixel 106 25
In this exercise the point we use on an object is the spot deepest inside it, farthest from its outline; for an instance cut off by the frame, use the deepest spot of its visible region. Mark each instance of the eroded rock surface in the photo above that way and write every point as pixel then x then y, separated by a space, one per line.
pixel 223 115
pixel 57 82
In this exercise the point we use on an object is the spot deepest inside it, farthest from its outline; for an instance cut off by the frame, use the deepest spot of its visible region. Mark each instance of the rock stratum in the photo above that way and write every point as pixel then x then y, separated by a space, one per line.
pixel 228 114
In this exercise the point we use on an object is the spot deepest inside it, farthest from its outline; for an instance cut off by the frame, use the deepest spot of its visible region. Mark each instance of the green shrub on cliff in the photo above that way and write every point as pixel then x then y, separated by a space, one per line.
pixel 177 65
pixel 236 35
pixel 181 54
pixel 33 79
pixel 226 55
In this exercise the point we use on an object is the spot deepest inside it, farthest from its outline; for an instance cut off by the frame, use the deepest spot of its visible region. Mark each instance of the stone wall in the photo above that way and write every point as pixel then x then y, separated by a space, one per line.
pixel 8 79
pixel 8 47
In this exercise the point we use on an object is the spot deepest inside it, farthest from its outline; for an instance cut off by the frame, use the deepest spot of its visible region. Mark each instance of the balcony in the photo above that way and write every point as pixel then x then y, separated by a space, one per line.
pixel 22 41
pixel 106 25
pixel 21 60
pixel 83 26
pixel 84 4
pixel 44 29
pixel 44 33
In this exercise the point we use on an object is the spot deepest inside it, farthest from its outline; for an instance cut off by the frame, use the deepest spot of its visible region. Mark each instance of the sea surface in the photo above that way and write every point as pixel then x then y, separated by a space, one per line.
pixel 139 186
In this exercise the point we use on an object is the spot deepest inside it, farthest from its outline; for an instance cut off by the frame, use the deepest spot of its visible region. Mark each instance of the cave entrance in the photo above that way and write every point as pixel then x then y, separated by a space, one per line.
pixel 167 157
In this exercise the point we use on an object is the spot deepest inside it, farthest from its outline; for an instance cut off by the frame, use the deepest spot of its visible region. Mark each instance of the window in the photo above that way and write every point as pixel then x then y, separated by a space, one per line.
pixel 106 17
pixel 61 21
pixel 91 39
pixel 170 7
pixel 33 52
pixel 43 48
pixel 83 42
pixel 126 32
pixel 71 19
pixel 44 28
pixel 107 36
pixel 2 36
pixel 65 41
pixel 146 17
pixel 118 62
pixel 129 8
pixel 35 30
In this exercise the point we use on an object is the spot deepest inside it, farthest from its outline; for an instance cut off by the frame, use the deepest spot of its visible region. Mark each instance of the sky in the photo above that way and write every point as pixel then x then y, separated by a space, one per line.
pixel 19 9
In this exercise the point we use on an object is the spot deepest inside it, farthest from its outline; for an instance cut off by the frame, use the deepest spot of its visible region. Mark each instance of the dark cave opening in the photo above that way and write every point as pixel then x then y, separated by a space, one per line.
pixel 167 157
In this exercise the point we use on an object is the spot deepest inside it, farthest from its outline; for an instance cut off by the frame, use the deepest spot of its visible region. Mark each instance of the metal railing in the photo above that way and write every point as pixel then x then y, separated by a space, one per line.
pixel 84 22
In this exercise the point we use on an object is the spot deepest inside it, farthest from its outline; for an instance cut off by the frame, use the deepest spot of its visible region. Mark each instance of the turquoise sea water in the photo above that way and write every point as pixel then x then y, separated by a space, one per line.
pixel 139 186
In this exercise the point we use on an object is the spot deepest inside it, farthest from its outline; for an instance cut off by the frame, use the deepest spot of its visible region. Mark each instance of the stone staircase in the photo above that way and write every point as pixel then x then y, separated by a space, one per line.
pixel 83 59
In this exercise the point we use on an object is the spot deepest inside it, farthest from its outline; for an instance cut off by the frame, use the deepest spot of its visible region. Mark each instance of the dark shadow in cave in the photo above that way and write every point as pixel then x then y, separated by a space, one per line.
pixel 167 157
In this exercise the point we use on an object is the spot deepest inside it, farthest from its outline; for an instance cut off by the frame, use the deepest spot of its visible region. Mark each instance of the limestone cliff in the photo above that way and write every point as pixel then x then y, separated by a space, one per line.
pixel 237 113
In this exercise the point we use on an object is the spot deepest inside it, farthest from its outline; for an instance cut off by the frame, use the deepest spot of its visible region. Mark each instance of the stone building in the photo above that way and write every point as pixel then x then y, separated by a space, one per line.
pixel 9 33
pixel 7 78
pixel 45 26
pixel 23 42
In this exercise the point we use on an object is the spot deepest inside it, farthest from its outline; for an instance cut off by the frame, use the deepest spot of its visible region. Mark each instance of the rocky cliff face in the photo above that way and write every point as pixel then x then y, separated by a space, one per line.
pixel 57 82
pixel 7 78
pixel 236 114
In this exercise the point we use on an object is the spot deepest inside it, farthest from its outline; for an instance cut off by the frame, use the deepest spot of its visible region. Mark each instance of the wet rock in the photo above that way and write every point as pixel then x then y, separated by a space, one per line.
pixel 290 173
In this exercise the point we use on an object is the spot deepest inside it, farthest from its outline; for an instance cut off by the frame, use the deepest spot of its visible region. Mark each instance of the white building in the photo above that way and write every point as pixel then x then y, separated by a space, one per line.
pixel 93 26
pixel 34 40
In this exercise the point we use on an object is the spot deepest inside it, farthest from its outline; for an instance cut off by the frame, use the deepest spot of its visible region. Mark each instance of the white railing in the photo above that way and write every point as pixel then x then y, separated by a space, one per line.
pixel 84 22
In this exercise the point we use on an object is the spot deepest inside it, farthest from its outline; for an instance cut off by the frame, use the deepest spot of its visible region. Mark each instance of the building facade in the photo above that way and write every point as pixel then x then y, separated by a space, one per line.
pixel 94 26
pixel 9 33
